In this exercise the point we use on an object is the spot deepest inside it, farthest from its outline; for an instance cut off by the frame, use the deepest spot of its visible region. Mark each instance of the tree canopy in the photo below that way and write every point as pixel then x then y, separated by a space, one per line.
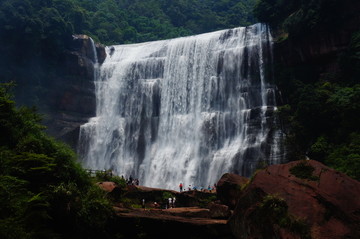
pixel 44 193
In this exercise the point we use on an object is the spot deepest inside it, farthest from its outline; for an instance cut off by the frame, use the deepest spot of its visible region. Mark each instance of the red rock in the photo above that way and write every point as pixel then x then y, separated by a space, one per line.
pixel 330 205
pixel 229 188
pixel 107 186
pixel 219 211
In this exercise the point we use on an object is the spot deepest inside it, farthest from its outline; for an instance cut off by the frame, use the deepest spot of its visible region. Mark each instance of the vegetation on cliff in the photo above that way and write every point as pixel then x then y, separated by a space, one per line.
pixel 44 193
pixel 298 18
pixel 320 82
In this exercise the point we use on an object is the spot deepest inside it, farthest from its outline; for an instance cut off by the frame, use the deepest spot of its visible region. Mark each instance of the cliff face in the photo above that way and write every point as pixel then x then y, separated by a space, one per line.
pixel 318 51
pixel 72 94
pixel 315 49
pixel 323 45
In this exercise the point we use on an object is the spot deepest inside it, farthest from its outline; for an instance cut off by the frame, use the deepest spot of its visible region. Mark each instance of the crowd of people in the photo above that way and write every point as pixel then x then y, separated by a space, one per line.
pixel 131 181
pixel 167 204
pixel 171 201
pixel 194 188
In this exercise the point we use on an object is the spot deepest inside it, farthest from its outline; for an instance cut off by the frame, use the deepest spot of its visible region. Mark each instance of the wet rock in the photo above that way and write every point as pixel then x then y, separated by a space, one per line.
pixel 71 95
pixel 101 53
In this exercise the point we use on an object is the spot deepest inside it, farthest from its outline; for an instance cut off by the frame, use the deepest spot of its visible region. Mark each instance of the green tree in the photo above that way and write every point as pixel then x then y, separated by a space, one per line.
pixel 44 192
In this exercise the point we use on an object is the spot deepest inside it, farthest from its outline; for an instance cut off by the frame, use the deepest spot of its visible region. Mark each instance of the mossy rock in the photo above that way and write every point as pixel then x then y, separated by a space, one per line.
pixel 304 170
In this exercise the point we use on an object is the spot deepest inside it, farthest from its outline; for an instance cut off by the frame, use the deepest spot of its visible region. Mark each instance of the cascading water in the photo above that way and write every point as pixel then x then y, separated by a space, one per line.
pixel 95 57
pixel 185 110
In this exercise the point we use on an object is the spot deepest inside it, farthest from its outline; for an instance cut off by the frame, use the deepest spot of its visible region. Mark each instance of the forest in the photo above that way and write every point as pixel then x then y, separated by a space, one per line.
pixel 44 192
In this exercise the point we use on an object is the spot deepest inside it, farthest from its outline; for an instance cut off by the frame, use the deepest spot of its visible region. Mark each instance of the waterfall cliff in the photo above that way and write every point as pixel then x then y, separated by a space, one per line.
pixel 185 110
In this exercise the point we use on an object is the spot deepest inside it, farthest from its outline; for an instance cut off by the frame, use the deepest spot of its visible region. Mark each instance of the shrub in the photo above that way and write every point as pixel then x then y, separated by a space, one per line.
pixel 304 170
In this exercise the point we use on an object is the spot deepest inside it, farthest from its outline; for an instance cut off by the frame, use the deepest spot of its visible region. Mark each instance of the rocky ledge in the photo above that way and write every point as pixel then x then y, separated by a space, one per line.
pixel 195 214
pixel 300 199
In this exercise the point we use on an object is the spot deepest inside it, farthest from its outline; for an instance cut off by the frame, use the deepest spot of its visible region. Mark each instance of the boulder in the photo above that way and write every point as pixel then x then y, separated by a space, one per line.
pixel 300 199
pixel 219 211
pixel 83 45
pixel 101 53
pixel 107 186
pixel 229 188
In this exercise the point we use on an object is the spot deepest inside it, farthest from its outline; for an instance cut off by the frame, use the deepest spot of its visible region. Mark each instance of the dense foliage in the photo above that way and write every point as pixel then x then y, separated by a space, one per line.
pixel 304 17
pixel 44 193
pixel 321 96
pixel 52 22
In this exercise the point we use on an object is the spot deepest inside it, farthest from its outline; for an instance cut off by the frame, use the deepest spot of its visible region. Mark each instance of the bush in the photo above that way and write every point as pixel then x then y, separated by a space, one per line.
pixel 304 170
pixel 44 193
pixel 272 211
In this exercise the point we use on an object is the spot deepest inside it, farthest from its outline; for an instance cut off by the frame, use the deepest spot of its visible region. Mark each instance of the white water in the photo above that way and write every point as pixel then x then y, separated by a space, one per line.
pixel 185 110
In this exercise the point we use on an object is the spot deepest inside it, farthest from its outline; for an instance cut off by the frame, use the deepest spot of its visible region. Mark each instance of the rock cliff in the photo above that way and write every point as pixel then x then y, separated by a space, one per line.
pixel 317 54
pixel 72 94
pixel 323 44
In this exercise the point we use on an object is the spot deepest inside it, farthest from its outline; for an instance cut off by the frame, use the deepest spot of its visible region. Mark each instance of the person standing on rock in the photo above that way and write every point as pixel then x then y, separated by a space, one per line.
pixel 143 204
pixel 173 202
pixel 165 203
pixel 170 203
pixel 181 187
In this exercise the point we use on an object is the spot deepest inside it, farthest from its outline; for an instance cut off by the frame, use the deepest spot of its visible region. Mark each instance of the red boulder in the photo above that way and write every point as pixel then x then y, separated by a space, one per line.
pixel 300 199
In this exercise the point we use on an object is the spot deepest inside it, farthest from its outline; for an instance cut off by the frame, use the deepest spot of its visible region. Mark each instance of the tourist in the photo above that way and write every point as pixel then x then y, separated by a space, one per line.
pixel 181 187
pixel 170 203
pixel 173 202
pixel 143 204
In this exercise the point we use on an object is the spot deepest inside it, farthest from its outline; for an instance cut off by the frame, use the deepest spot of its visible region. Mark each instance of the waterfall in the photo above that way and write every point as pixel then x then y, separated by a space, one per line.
pixel 93 47
pixel 185 110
